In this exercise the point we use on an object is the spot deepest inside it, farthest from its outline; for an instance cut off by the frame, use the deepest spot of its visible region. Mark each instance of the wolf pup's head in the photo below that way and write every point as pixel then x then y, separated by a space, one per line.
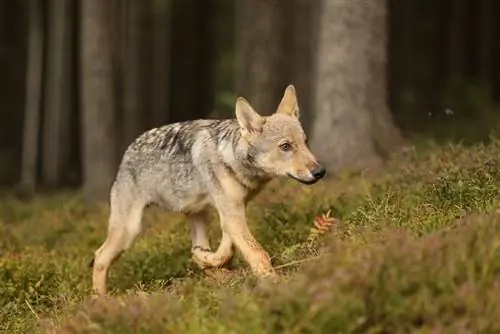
pixel 277 144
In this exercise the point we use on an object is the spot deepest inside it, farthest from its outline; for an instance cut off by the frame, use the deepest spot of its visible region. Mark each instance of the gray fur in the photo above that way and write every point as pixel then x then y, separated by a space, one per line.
pixel 148 170
pixel 191 166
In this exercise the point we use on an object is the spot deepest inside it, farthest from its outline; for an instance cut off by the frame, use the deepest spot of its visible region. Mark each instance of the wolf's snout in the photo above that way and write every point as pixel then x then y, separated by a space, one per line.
pixel 318 172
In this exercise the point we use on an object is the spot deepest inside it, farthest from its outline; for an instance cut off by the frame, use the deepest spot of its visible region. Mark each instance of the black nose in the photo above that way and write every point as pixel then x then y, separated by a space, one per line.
pixel 318 172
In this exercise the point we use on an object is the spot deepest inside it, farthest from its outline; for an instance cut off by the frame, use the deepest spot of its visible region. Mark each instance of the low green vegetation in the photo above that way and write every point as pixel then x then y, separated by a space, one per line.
pixel 413 249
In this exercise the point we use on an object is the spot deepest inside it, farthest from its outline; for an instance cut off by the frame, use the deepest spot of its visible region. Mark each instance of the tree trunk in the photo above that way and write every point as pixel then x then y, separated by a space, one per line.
pixel 495 54
pixel 57 111
pixel 259 43
pixel 484 21
pixel 133 113
pixel 119 51
pixel 457 49
pixel 192 59
pixel 402 49
pixel 161 62
pixel 146 64
pixel 303 27
pixel 352 127
pixel 33 97
pixel 97 103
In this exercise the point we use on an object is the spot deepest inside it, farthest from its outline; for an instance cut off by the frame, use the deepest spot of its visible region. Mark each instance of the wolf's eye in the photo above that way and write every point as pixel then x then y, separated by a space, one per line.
pixel 286 147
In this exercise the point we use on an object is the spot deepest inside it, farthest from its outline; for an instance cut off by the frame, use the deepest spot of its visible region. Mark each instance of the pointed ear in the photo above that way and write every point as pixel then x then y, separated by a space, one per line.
pixel 249 120
pixel 289 105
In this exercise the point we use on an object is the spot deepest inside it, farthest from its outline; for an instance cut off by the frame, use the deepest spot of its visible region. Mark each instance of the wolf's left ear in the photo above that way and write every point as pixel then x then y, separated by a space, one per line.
pixel 289 104
pixel 249 120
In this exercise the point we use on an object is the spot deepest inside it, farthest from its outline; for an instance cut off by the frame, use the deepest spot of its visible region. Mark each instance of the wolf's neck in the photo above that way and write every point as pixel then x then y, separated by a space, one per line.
pixel 238 160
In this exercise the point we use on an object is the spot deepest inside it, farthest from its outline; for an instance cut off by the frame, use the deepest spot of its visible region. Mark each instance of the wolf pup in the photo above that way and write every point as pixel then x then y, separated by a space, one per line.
pixel 190 166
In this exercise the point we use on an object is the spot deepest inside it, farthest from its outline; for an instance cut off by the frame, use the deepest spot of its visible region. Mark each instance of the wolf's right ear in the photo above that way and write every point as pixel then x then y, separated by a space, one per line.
pixel 249 120
pixel 289 105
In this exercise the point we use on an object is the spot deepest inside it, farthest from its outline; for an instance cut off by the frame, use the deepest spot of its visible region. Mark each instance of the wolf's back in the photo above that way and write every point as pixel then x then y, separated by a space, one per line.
pixel 166 157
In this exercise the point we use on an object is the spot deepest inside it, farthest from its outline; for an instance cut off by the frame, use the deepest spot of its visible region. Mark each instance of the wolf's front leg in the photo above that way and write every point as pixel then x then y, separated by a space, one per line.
pixel 234 224
pixel 201 250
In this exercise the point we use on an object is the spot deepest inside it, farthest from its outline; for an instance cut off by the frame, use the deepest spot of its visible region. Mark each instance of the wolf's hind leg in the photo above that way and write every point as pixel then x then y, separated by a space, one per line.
pixel 201 250
pixel 124 226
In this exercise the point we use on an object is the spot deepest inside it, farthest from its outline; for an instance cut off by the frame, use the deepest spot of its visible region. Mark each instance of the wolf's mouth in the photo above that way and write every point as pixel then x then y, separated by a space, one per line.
pixel 308 182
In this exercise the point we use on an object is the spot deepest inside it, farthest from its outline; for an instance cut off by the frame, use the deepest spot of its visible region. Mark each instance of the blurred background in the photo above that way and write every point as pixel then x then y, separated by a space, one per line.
pixel 82 78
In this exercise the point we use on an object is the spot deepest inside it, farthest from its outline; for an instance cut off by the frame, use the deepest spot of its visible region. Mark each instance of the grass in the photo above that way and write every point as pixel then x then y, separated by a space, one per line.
pixel 413 249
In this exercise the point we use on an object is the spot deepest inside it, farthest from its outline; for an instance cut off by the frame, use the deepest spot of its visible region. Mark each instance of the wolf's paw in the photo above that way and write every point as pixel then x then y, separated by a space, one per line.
pixel 208 259
pixel 200 261
pixel 266 271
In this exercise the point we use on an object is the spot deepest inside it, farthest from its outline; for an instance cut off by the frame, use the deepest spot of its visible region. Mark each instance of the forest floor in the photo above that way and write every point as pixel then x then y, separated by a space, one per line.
pixel 412 248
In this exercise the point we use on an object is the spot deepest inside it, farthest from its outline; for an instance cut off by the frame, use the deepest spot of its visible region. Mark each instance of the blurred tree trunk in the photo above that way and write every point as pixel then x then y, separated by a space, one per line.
pixel 97 103
pixel 457 47
pixel 303 27
pixel 57 111
pixel 484 20
pixel 161 62
pixel 495 53
pixel 33 97
pixel 276 42
pixel 352 127
pixel 119 52
pixel 146 64
pixel 402 84
pixel 259 45
pixel 14 25
pixel 192 26
pixel 133 111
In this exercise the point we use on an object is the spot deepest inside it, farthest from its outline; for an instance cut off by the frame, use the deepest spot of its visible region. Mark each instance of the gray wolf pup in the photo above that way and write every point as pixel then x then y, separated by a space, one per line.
pixel 193 165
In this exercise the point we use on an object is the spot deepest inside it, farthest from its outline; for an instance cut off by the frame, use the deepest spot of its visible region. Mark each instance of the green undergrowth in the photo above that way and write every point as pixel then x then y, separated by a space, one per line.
pixel 414 249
